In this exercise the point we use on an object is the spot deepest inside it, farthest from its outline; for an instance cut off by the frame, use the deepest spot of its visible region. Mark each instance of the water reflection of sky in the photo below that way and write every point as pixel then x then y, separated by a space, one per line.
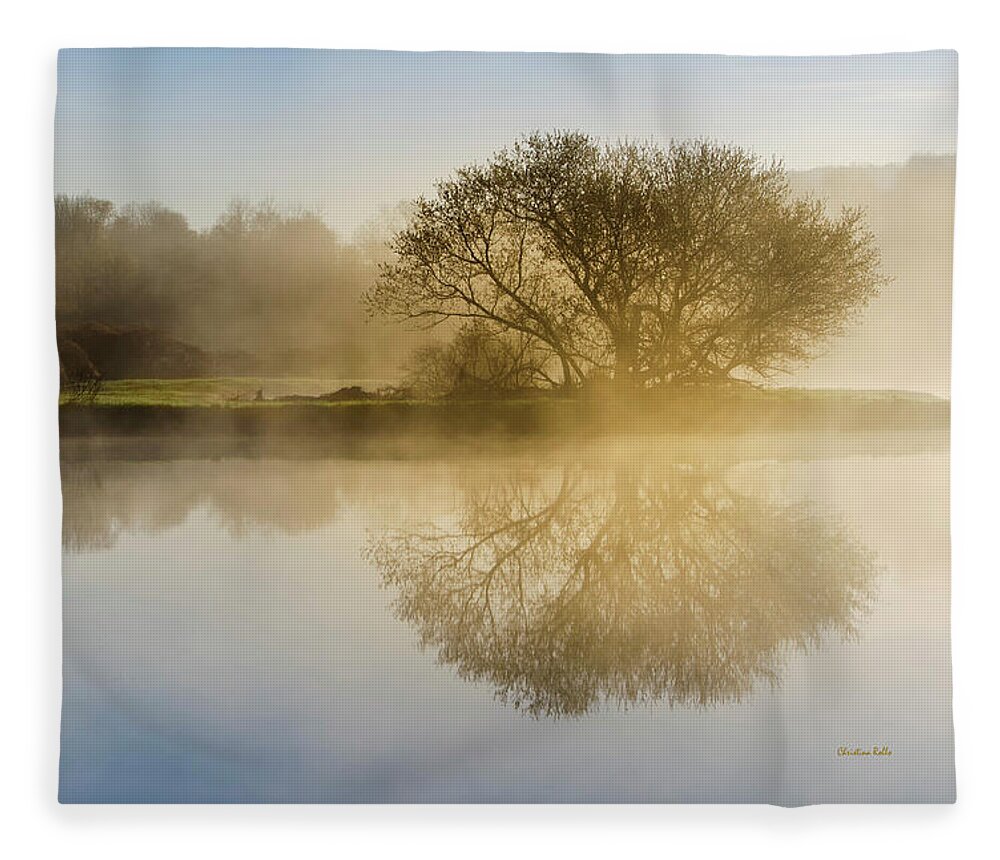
pixel 226 641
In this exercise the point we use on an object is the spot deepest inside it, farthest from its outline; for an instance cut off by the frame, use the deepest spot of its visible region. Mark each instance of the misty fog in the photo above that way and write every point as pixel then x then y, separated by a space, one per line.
pixel 278 292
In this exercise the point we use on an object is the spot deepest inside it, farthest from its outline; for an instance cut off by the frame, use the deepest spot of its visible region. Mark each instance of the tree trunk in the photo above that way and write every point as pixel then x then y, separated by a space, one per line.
pixel 567 372
pixel 624 380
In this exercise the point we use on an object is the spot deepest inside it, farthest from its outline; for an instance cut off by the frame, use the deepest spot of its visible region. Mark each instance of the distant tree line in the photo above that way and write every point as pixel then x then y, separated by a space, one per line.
pixel 262 290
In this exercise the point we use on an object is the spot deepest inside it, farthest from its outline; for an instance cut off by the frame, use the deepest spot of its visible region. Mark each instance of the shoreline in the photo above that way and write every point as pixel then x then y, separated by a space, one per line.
pixel 723 425
pixel 726 412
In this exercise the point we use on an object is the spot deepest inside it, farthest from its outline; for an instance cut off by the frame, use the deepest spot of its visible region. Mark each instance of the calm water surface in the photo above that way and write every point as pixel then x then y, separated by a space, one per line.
pixel 626 623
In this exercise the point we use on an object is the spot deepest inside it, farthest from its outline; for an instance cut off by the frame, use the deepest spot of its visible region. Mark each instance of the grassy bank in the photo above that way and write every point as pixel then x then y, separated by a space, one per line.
pixel 223 408
pixel 233 391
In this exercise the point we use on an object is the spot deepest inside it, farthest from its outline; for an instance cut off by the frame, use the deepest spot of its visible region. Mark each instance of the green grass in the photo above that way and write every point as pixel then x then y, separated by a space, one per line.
pixel 224 407
pixel 239 392
pixel 236 392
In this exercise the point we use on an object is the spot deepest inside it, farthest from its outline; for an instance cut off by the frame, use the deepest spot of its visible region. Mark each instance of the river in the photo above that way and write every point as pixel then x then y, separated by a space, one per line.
pixel 628 623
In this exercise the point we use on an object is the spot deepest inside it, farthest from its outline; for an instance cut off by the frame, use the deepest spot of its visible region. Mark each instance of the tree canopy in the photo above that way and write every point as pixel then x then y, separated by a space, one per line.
pixel 693 263
pixel 478 361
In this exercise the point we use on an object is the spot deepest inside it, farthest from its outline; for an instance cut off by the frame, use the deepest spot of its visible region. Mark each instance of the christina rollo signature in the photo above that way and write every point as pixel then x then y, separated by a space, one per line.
pixel 864 751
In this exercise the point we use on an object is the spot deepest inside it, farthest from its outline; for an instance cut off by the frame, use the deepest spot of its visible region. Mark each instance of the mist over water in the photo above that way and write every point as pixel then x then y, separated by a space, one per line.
pixel 254 630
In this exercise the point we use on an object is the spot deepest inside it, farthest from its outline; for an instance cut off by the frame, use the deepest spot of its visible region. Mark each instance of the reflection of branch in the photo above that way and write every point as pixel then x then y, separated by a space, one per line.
pixel 640 588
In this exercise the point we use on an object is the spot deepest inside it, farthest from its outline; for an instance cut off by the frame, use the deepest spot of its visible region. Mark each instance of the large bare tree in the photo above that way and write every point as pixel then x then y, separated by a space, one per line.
pixel 689 264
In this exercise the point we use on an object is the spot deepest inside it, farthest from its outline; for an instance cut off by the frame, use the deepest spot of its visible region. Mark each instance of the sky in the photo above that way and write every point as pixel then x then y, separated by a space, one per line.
pixel 353 133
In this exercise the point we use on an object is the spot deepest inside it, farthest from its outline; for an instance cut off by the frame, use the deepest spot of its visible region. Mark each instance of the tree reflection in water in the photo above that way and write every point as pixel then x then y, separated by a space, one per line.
pixel 626 586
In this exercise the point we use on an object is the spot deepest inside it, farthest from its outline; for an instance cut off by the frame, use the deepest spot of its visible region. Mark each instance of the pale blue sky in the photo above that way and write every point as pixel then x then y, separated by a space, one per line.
pixel 354 132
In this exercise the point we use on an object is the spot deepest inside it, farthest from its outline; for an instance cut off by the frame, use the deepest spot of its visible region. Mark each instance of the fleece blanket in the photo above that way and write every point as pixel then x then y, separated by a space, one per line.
pixel 504 428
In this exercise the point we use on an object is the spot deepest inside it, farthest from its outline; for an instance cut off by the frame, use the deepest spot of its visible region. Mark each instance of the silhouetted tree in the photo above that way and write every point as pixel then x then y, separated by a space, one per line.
pixel 688 264
pixel 90 268
pixel 480 359
pixel 79 379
